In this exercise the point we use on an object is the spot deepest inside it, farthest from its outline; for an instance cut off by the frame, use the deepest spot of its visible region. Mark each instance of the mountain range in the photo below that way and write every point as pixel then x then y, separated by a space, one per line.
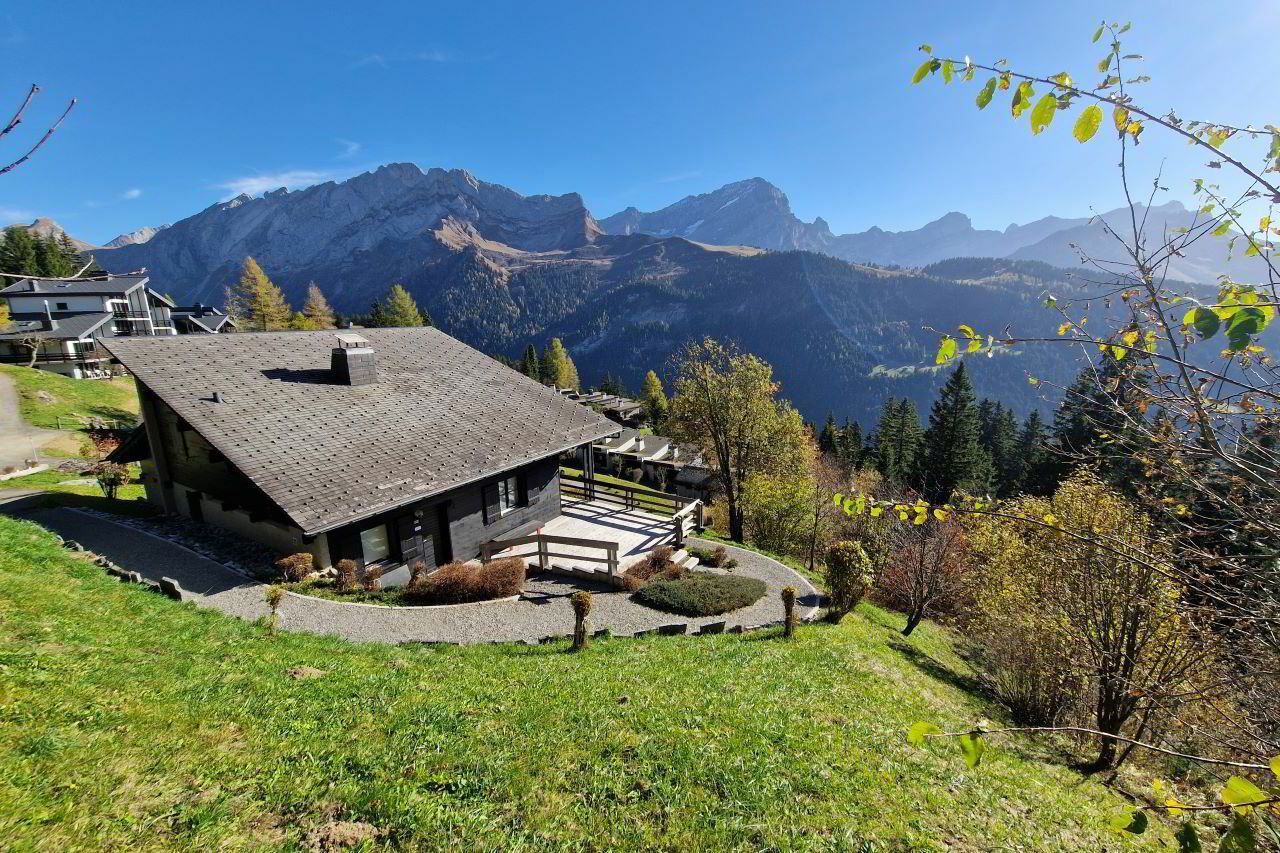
pixel 847 320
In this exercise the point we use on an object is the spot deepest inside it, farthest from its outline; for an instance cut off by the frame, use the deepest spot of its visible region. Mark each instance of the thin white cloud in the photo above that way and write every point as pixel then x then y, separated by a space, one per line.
pixel 383 60
pixel 16 214
pixel 131 193
pixel 679 176
pixel 349 148
pixel 292 178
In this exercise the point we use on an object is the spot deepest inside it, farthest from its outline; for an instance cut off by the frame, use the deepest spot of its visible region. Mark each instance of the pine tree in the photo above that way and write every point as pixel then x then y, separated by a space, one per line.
pixel 397 309
pixel 1094 422
pixel 50 261
pixel 952 457
pixel 998 435
pixel 1033 464
pixel 256 302
pixel 611 384
pixel 849 450
pixel 654 399
pixel 69 253
pixel 557 366
pixel 897 441
pixel 529 365
pixel 18 252
pixel 827 438
pixel 316 309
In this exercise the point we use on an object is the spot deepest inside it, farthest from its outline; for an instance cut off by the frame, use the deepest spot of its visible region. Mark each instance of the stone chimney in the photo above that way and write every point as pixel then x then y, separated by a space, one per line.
pixel 48 324
pixel 353 361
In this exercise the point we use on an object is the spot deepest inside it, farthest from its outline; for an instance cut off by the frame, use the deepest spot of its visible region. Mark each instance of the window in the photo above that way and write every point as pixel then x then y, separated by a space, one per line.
pixel 374 544
pixel 62 306
pixel 508 494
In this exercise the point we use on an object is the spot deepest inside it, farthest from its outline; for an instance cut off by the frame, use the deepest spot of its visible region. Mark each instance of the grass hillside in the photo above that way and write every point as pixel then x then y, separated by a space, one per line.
pixel 113 399
pixel 130 721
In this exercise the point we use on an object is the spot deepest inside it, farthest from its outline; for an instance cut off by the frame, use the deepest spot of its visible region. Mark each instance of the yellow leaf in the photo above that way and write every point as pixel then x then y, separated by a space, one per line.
pixel 940 514
pixel 1050 519
pixel 1064 328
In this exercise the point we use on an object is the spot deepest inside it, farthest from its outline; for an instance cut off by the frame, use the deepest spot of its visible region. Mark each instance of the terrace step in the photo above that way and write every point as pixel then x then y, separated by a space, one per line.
pixel 593 575
pixel 685 559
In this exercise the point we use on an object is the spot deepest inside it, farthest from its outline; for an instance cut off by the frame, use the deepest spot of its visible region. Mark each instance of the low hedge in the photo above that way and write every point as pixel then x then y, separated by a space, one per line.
pixel 702 593
pixel 461 583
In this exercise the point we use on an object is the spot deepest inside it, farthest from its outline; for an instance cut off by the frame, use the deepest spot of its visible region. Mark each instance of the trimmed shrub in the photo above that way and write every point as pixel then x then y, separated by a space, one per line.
pixel 656 565
pixel 702 593
pixel 460 583
pixel 848 577
pixel 372 579
pixel 347 571
pixel 296 567
pixel 581 601
pixel 716 559
pixel 417 574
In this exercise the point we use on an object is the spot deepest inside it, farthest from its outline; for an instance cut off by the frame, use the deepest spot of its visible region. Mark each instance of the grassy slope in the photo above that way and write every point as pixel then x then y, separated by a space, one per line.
pixel 127 720
pixel 113 399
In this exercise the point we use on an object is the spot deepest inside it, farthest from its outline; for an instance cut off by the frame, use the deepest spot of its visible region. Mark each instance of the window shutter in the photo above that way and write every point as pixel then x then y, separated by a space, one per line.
pixel 490 496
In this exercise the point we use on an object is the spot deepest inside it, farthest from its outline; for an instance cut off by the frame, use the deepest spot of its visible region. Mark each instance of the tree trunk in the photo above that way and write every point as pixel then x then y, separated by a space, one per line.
pixel 914 618
pixel 735 522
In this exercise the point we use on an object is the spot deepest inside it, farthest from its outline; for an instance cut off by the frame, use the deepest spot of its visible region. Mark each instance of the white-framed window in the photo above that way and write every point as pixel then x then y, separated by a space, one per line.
pixel 508 494
pixel 374 544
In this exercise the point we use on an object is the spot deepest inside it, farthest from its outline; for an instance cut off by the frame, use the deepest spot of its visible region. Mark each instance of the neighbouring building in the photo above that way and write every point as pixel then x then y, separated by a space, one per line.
pixel 385 447
pixel 59 325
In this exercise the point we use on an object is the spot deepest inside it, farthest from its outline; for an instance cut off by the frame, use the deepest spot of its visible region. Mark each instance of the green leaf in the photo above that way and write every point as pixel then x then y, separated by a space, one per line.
pixel 923 71
pixel 1042 115
pixel 1222 230
pixel 1247 321
pixel 946 350
pixel 1097 34
pixel 972 746
pixel 1240 790
pixel 985 93
pixel 1130 820
pixel 1088 123
pixel 1121 117
pixel 917 733
pixel 1205 321
pixel 1188 839
pixel 1022 98
pixel 1275 766
pixel 1240 838
pixel 946 71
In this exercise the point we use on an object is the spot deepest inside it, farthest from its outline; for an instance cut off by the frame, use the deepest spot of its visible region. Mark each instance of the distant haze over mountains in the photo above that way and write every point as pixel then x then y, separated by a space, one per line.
pixel 501 270
pixel 756 213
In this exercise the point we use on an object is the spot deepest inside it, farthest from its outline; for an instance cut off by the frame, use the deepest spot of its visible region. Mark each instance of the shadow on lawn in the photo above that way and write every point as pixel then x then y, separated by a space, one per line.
pixel 933 667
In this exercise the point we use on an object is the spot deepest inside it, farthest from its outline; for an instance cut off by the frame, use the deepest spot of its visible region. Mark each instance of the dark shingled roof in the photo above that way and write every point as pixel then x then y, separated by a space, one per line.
pixel 440 415
pixel 70 326
pixel 116 285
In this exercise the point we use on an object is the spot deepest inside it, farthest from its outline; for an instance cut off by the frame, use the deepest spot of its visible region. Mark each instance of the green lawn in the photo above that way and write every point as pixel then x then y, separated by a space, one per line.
pixel 129 721
pixel 129 499
pixel 113 399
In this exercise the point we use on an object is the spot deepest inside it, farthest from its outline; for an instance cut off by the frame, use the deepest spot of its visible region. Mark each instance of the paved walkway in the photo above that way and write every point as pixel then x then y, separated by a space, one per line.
pixel 545 614
pixel 19 440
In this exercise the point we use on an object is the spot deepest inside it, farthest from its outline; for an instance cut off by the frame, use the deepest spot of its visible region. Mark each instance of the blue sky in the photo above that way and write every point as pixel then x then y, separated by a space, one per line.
pixel 629 104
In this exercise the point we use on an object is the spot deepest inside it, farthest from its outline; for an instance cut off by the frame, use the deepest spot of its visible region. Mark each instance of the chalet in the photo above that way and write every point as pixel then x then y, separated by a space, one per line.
pixel 385 447
pixel 58 325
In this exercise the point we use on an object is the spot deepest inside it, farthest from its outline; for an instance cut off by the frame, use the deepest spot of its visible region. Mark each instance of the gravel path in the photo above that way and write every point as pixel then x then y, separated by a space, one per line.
pixel 543 612
pixel 19 440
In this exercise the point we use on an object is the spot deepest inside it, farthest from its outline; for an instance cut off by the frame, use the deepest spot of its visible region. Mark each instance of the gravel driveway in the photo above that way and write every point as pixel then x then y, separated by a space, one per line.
pixel 19 440
pixel 543 612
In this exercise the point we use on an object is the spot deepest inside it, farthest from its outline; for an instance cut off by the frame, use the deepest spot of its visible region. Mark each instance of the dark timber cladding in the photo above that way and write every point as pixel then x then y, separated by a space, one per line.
pixel 438 416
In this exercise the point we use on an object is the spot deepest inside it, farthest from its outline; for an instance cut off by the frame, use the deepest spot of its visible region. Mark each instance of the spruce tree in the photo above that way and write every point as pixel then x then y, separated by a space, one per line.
pixel 896 442
pixel 529 364
pixel 256 302
pixel 952 457
pixel 654 399
pixel 397 309
pixel 611 384
pixel 849 449
pixel 18 252
pixel 69 253
pixel 1033 468
pixel 998 435
pixel 827 438
pixel 316 309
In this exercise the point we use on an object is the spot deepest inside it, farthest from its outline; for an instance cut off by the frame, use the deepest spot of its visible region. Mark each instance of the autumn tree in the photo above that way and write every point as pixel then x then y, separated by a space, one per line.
pixel 397 309
pixel 256 302
pixel 557 368
pixel 726 403
pixel 926 569
pixel 316 310
pixel 654 399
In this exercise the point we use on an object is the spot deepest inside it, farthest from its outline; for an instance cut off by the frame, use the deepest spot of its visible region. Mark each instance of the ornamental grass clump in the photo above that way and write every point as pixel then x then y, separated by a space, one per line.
pixel 348 573
pixel 296 567
pixel 656 565
pixel 581 602
pixel 372 579
pixel 275 595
